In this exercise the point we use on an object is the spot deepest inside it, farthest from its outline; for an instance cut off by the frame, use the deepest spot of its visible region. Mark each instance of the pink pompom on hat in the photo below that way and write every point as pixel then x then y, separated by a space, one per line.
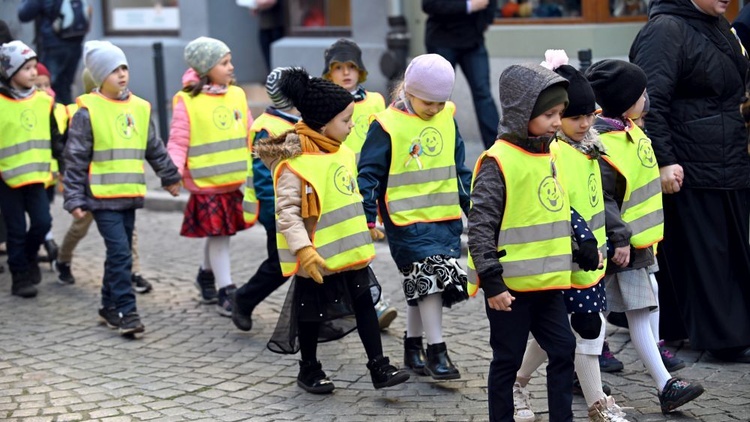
pixel 430 77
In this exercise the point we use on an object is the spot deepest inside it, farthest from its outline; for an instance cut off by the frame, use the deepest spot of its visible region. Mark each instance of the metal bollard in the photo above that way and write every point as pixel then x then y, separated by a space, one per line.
pixel 161 99
pixel 584 58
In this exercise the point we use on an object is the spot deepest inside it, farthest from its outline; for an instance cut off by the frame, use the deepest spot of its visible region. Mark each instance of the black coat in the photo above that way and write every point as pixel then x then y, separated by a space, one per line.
pixel 696 83
pixel 449 26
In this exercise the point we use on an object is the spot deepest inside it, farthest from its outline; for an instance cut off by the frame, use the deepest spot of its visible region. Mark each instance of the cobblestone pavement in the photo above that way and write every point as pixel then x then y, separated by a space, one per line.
pixel 58 364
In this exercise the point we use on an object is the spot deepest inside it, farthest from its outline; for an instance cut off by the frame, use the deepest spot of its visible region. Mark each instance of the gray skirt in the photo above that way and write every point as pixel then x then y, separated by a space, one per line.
pixel 629 290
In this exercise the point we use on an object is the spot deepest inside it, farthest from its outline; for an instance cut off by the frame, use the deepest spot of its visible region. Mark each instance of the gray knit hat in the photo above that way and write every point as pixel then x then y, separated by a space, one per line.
pixel 280 101
pixel 203 53
pixel 102 58
pixel 13 56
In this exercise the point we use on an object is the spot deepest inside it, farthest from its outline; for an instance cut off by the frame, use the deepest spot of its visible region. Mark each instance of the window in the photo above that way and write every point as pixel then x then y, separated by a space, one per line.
pixel 319 17
pixel 141 17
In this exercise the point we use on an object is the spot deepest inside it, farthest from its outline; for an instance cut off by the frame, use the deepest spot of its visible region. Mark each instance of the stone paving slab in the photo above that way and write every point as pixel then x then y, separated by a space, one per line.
pixel 57 363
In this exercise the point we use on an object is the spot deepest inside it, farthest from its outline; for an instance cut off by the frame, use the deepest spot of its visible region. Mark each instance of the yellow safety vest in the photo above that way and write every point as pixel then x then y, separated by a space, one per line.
pixel 373 103
pixel 631 154
pixel 535 231
pixel 71 109
pixel 274 126
pixel 422 183
pixel 574 169
pixel 61 118
pixel 218 137
pixel 25 145
pixel 341 235
pixel 120 130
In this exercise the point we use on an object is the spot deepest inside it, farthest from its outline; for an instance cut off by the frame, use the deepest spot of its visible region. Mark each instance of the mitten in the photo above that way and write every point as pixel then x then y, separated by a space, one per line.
pixel 587 255
pixel 312 262
pixel 376 234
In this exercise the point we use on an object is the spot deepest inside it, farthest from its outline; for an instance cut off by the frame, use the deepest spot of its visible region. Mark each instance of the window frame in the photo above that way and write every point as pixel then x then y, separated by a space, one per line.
pixel 107 20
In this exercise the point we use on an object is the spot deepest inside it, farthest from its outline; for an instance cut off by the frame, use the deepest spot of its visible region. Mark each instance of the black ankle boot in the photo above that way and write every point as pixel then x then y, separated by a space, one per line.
pixel 384 374
pixel 439 365
pixel 414 356
pixel 312 379
pixel 22 285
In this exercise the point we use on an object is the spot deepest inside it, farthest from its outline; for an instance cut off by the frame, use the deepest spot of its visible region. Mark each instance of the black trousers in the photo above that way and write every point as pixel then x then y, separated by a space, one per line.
pixel 266 279
pixel 544 315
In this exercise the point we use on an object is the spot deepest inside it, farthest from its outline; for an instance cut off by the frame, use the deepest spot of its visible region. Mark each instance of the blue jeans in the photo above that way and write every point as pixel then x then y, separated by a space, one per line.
pixel 15 203
pixel 62 62
pixel 116 227
pixel 475 63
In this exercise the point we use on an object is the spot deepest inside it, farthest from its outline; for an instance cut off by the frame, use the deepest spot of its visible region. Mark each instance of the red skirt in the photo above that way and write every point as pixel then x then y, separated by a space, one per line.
pixel 213 215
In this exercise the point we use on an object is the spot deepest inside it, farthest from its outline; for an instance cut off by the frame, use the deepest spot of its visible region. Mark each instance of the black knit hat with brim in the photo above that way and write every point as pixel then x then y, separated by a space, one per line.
pixel 617 85
pixel 317 99
pixel 581 100
pixel 343 51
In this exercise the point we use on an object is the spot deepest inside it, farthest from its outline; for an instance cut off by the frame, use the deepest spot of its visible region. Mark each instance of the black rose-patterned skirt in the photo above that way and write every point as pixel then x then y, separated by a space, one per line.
pixel 435 274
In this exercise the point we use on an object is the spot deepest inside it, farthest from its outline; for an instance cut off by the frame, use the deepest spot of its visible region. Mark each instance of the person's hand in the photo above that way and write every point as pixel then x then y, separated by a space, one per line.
pixel 78 213
pixel 501 302
pixel 587 256
pixel 376 234
pixel 312 263
pixel 173 189
pixel 671 178
pixel 477 5
pixel 621 256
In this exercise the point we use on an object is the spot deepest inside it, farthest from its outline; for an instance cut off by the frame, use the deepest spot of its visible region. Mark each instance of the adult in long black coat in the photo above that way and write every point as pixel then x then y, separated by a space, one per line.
pixel 696 82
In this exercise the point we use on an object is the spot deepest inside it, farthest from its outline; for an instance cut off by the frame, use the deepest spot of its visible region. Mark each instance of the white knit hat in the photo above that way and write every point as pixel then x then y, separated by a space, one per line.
pixel 102 58
pixel 429 77
pixel 13 56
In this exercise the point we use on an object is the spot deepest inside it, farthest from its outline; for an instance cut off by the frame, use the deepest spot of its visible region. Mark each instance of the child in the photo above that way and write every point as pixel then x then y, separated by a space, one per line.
pixel 576 151
pixel 316 189
pixel 258 202
pixel 634 218
pixel 412 173
pixel 109 136
pixel 519 239
pixel 29 138
pixel 208 144
pixel 345 68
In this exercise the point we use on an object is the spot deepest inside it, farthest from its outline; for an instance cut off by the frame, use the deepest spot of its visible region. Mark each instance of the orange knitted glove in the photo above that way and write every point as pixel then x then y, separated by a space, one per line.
pixel 376 234
pixel 312 262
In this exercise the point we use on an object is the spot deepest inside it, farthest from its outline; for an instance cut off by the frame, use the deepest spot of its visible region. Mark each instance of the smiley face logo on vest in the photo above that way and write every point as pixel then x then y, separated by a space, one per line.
pixel 550 195
pixel 343 181
pixel 361 125
pixel 28 120
pixel 223 117
pixel 594 190
pixel 646 153
pixel 432 141
pixel 125 124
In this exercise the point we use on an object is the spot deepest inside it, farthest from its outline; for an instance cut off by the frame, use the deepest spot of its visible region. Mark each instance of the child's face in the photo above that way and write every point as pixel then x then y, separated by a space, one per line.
pixel 223 72
pixel 116 82
pixel 345 75
pixel 548 122
pixel 641 121
pixel 426 110
pixel 25 77
pixel 43 82
pixel 576 127
pixel 340 126
pixel 636 110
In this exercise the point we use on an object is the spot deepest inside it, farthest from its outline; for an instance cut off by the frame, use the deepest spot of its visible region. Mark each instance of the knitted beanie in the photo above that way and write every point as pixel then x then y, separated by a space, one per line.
pixel 203 53
pixel 318 100
pixel 429 77
pixel 343 51
pixel 102 58
pixel 280 101
pixel 581 98
pixel 617 85
pixel 548 98
pixel 88 81
pixel 13 56
pixel 41 70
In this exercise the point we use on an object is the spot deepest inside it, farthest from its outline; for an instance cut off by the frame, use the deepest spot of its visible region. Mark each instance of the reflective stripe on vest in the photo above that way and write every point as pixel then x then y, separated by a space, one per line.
pixel 120 131
pixel 581 178
pixel 422 182
pixel 340 235
pixel 274 126
pixel 218 150
pixel 535 231
pixel 373 103
pixel 25 147
pixel 631 154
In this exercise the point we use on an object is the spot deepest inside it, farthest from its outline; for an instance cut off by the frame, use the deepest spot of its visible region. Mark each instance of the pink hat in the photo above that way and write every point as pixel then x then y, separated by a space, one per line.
pixel 429 77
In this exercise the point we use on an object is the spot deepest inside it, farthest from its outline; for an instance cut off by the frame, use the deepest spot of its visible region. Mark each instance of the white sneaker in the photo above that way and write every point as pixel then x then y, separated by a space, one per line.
pixel 522 411
pixel 606 410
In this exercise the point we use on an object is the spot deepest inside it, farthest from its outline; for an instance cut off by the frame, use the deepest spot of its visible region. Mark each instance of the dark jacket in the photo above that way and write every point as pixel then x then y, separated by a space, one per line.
pixel 618 231
pixel 449 26
pixel 696 83
pixel 418 241
pixel 45 11
pixel 78 153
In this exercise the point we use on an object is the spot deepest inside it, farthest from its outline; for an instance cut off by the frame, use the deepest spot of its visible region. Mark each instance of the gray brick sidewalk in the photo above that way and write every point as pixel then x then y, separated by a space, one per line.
pixel 58 364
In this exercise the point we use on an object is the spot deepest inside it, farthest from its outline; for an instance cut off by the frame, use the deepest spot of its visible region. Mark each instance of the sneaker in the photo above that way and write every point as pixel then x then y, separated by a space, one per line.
pixel 678 392
pixel 671 362
pixel 206 284
pixel 52 250
pixel 130 324
pixel 608 362
pixel 312 379
pixel 522 406
pixel 577 390
pixel 386 314
pixel 383 374
pixel 606 410
pixel 109 317
pixel 224 302
pixel 64 275
pixel 140 284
